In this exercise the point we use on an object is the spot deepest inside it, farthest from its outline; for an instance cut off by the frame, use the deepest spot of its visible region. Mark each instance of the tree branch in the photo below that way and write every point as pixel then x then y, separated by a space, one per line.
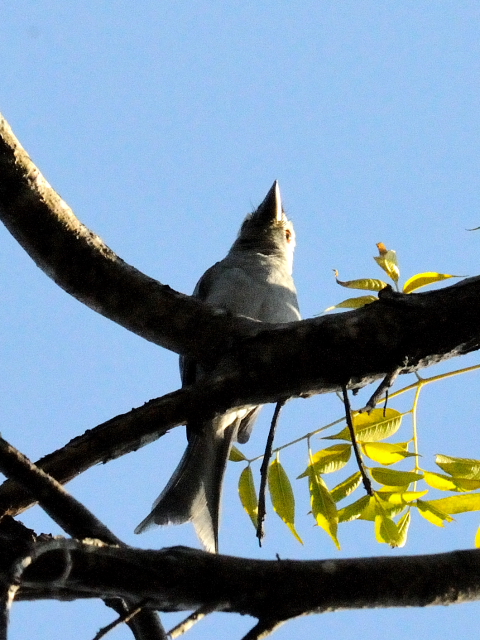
pixel 179 578
pixel 82 264
pixel 354 348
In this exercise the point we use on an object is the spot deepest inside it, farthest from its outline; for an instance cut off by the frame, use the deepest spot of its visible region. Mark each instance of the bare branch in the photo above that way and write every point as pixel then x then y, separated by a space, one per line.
pixel 264 471
pixel 189 622
pixel 179 578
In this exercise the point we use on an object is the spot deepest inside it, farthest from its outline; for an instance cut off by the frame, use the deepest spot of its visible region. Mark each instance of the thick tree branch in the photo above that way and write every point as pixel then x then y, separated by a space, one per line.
pixel 179 578
pixel 82 264
pixel 315 355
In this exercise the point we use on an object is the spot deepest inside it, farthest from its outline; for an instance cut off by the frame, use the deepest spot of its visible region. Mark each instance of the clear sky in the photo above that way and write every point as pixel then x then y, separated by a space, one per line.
pixel 162 124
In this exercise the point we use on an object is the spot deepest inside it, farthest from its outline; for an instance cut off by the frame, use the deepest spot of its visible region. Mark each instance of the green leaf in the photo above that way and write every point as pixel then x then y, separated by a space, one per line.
pixel 379 506
pixel 401 497
pixel 236 455
pixel 447 483
pixel 393 478
pixel 353 303
pixel 248 495
pixel 458 504
pixel 281 493
pixel 386 453
pixel 424 279
pixel 468 468
pixel 368 284
pixel 371 427
pixel 346 487
pixel 432 513
pixel 323 506
pixel 439 481
pixel 387 531
pixel 464 484
pixel 355 510
pixel 403 526
pixel 330 459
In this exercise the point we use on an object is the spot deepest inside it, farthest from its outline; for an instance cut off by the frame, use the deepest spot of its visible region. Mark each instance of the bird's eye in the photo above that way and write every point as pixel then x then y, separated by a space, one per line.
pixel 288 235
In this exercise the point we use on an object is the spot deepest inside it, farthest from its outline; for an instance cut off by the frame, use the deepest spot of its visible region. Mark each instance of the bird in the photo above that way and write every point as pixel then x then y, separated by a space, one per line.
pixel 254 280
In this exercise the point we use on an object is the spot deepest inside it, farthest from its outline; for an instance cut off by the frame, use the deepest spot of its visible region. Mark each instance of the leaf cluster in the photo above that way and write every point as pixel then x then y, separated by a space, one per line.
pixel 388 261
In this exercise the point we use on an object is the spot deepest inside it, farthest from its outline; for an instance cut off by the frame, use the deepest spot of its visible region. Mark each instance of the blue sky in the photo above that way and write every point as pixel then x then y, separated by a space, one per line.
pixel 162 125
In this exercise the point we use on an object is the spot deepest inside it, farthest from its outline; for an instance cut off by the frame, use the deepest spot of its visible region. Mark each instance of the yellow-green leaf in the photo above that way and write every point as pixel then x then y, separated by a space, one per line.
pixel 403 526
pixel 248 495
pixel 424 279
pixel 393 478
pixel 371 427
pixel 386 453
pixel 439 481
pixel 401 497
pixel 236 455
pixel 448 483
pixel 387 260
pixel 459 467
pixel 464 484
pixel 368 284
pixel 328 460
pixel 281 493
pixel 378 506
pixel 354 510
pixel 458 504
pixel 346 487
pixel 386 530
pixel 477 536
pixel 323 506
pixel 353 303
pixel 432 513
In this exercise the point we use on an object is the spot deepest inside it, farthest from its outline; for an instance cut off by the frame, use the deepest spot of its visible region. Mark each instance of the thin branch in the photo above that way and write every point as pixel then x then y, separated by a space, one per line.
pixel 189 622
pixel 263 629
pixel 264 471
pixel 348 413
pixel 127 617
pixel 382 389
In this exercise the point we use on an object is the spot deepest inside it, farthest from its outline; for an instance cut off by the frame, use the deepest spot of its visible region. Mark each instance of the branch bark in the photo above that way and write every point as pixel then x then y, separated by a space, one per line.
pixel 180 578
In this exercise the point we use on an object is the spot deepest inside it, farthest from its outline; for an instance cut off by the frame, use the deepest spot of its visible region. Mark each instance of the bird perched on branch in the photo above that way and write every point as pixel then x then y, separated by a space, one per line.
pixel 253 280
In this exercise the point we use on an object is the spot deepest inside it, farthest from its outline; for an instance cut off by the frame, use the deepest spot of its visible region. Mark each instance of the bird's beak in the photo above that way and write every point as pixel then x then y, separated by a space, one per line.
pixel 271 208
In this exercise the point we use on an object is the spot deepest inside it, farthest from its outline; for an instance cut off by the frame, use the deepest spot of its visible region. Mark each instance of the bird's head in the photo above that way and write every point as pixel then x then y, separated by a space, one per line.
pixel 267 230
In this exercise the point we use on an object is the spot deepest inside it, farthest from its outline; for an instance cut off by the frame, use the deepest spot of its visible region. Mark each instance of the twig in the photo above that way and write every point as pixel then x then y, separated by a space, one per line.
pixel 264 471
pixel 189 622
pixel 120 620
pixel 383 388
pixel 263 629
pixel 348 413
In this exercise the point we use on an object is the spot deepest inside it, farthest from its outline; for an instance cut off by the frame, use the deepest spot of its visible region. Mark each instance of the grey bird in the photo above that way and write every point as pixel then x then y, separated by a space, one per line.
pixel 253 280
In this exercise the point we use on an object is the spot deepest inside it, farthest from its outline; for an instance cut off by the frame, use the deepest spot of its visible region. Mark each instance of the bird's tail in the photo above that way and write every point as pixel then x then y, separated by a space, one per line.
pixel 194 490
